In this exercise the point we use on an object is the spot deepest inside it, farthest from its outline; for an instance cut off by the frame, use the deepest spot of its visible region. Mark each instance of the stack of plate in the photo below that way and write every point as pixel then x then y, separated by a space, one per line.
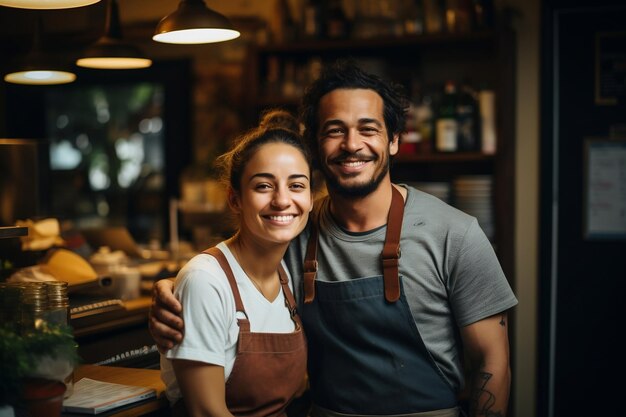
pixel 441 190
pixel 473 195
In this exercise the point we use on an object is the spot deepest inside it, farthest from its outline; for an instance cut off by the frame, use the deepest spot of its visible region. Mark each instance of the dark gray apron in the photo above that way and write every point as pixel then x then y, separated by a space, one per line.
pixel 366 355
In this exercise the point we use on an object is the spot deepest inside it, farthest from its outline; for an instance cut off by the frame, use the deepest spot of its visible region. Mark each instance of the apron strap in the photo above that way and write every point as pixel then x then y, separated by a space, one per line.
pixel 389 258
pixel 391 250
pixel 244 324
pixel 310 265
pixel 290 301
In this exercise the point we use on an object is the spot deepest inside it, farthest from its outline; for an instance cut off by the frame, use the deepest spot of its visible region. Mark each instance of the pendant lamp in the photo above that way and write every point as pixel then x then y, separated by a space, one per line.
pixel 46 4
pixel 194 23
pixel 38 68
pixel 110 51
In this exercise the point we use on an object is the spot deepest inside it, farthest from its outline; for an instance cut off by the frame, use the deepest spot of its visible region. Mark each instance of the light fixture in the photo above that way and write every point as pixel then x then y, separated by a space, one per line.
pixel 46 4
pixel 38 68
pixel 110 51
pixel 194 23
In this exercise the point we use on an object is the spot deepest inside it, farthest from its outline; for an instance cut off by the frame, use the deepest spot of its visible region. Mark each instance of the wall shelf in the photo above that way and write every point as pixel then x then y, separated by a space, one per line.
pixel 277 75
pixel 452 157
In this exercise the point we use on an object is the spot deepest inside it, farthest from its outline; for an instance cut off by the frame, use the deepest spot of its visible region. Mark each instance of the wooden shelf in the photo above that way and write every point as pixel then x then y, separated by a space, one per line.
pixel 406 158
pixel 205 208
pixel 325 46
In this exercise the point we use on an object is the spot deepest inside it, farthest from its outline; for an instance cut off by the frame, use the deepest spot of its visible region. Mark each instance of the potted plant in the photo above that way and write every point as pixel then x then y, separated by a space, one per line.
pixel 34 365
pixel 14 365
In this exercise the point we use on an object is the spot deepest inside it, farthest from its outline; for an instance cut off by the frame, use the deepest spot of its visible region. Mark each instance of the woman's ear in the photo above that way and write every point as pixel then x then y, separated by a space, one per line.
pixel 234 202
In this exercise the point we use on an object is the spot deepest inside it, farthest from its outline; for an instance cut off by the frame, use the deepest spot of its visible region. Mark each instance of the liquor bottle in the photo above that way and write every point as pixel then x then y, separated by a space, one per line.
pixel 446 125
pixel 424 122
pixel 273 82
pixel 486 100
pixel 289 86
pixel 410 138
pixel 468 120
pixel 336 21
pixel 458 16
pixel 312 20
pixel 483 14
pixel 434 16
pixel 413 17
pixel 283 24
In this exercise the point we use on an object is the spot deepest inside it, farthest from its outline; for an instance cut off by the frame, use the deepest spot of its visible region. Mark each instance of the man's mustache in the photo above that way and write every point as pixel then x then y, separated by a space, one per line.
pixel 352 157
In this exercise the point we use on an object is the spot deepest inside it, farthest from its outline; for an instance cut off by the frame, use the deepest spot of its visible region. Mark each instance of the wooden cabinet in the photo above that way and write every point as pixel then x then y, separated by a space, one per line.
pixel 277 75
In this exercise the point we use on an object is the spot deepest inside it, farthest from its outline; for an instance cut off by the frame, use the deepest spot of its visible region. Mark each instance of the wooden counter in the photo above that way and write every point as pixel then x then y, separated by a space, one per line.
pixel 129 376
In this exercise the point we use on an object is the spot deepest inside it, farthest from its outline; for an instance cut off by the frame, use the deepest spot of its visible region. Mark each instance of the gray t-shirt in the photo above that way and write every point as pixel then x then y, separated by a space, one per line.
pixel 451 275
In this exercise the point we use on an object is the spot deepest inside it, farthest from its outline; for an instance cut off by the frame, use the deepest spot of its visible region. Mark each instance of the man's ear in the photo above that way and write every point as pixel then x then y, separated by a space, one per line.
pixel 234 202
pixel 394 144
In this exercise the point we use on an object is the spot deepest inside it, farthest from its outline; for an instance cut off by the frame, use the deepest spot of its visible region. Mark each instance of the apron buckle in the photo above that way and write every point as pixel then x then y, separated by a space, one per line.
pixel 310 265
pixel 390 265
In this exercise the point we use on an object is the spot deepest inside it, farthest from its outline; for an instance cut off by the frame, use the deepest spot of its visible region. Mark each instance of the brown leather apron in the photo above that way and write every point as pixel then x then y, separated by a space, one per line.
pixel 269 368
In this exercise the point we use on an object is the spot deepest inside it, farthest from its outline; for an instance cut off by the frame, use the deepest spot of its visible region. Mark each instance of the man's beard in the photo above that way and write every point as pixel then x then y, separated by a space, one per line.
pixel 357 190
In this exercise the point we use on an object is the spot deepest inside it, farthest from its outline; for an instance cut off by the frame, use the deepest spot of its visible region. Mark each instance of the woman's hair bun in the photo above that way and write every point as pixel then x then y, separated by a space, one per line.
pixel 279 118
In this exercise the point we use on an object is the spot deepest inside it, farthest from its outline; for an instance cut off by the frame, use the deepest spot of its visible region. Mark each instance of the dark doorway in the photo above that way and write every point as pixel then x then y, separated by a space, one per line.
pixel 582 274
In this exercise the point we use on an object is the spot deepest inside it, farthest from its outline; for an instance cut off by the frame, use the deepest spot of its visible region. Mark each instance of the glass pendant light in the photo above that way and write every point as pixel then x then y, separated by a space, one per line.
pixel 194 23
pixel 46 4
pixel 38 68
pixel 110 51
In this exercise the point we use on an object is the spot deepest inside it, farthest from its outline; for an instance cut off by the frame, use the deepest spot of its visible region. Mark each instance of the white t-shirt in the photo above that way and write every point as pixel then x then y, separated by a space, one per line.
pixel 211 329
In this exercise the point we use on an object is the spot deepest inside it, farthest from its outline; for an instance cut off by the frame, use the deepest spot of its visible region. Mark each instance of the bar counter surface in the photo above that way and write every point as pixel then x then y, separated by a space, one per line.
pixel 151 378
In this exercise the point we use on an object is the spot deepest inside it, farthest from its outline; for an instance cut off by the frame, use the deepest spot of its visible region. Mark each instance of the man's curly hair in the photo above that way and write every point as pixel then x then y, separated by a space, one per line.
pixel 346 74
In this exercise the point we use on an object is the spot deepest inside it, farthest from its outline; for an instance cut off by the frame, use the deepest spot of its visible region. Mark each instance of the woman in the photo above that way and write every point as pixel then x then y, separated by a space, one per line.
pixel 244 351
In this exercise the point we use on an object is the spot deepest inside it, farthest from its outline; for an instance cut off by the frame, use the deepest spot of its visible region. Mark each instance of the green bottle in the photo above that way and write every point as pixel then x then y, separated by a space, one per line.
pixel 446 125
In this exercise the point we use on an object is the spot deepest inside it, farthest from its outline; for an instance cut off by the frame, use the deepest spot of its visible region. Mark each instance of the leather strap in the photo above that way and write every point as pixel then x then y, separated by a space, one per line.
pixel 390 256
pixel 391 250
pixel 244 324
pixel 310 265
pixel 290 301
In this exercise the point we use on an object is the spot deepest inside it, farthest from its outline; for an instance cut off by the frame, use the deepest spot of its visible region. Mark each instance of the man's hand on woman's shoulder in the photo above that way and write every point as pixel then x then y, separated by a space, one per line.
pixel 165 323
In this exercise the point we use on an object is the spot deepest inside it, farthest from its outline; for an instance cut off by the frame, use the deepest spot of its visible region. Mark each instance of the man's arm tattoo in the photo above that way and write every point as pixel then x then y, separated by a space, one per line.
pixel 483 400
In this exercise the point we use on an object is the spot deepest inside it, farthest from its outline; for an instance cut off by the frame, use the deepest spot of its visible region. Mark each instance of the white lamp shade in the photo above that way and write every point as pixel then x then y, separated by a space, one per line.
pixel 111 51
pixel 46 4
pixel 194 23
pixel 196 36
pixel 39 68
pixel 40 77
pixel 114 63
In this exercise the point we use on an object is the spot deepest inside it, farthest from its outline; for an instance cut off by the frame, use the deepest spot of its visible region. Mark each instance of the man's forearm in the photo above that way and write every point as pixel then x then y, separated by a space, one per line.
pixel 489 395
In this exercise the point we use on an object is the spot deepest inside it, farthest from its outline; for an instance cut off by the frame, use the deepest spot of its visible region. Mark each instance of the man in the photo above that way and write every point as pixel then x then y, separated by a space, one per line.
pixel 394 287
